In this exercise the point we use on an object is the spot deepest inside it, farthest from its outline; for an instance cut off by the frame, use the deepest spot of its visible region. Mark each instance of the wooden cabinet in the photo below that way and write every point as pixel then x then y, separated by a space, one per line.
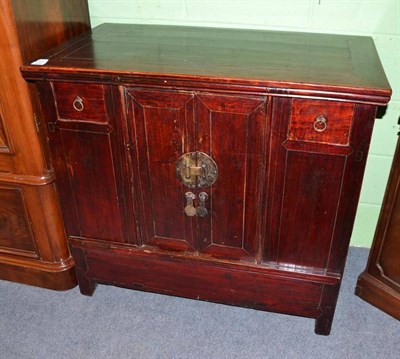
pixel 379 284
pixel 214 164
pixel 33 246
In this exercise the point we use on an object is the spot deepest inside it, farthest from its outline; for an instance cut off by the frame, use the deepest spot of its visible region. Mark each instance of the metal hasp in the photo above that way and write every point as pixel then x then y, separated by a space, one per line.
pixel 196 170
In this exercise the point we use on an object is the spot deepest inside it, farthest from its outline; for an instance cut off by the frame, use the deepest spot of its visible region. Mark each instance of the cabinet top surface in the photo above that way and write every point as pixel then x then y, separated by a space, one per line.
pixel 252 57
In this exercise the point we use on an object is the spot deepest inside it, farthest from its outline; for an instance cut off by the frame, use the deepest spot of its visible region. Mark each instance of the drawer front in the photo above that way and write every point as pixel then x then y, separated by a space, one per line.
pixel 80 102
pixel 321 121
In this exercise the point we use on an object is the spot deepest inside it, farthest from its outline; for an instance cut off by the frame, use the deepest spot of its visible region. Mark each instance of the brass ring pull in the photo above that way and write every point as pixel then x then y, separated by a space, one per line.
pixel 78 104
pixel 320 123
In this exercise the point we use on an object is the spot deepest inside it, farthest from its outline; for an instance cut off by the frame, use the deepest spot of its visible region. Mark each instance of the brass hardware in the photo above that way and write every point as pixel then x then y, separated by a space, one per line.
pixel 201 209
pixel 189 209
pixel 196 170
pixel 51 127
pixel 358 156
pixel 78 104
pixel 320 123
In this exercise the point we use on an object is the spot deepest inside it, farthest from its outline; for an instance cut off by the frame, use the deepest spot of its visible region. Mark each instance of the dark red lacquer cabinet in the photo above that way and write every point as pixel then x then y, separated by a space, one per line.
pixel 215 164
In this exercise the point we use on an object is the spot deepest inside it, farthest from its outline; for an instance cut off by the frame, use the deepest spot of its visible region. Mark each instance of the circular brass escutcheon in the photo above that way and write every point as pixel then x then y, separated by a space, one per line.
pixel 196 170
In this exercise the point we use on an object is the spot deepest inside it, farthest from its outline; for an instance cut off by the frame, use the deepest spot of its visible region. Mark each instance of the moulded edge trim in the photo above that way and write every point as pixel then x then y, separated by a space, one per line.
pixel 26 179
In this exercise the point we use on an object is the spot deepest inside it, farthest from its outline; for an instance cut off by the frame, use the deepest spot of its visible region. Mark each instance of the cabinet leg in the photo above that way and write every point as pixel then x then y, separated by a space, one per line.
pixel 323 324
pixel 86 285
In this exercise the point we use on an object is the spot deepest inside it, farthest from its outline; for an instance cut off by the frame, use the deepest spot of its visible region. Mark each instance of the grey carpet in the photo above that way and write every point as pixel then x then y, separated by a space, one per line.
pixel 121 323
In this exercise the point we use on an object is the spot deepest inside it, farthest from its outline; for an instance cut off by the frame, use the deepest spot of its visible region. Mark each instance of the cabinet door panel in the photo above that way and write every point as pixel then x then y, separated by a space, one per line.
pixel 231 130
pixel 89 161
pixel 310 200
pixel 16 234
pixel 161 126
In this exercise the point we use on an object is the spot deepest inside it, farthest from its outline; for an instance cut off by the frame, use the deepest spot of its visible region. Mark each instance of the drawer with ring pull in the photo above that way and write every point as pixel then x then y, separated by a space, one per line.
pixel 321 121
pixel 80 102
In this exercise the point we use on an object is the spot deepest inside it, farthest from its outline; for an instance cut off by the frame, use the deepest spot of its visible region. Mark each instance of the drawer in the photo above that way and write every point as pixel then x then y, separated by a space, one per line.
pixel 80 102
pixel 321 121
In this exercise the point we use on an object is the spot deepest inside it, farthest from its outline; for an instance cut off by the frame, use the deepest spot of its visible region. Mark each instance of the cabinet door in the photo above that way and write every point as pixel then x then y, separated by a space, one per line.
pixel 230 129
pixel 161 128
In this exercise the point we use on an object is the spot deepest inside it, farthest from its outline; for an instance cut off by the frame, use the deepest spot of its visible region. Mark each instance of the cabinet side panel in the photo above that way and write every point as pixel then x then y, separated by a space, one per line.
pixel 384 260
pixel 364 116
pixel 55 143
pixel 389 263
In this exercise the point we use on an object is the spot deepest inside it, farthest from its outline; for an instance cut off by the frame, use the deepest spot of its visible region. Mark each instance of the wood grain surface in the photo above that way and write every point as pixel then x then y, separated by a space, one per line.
pixel 300 62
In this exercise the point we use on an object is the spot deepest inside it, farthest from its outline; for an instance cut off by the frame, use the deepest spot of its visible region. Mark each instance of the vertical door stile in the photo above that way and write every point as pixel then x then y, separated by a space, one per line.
pixel 264 181
pixel 203 134
pixel 129 147
pixel 135 185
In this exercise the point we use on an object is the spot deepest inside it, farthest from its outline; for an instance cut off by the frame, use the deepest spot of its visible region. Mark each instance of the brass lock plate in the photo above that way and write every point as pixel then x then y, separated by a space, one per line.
pixel 196 170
